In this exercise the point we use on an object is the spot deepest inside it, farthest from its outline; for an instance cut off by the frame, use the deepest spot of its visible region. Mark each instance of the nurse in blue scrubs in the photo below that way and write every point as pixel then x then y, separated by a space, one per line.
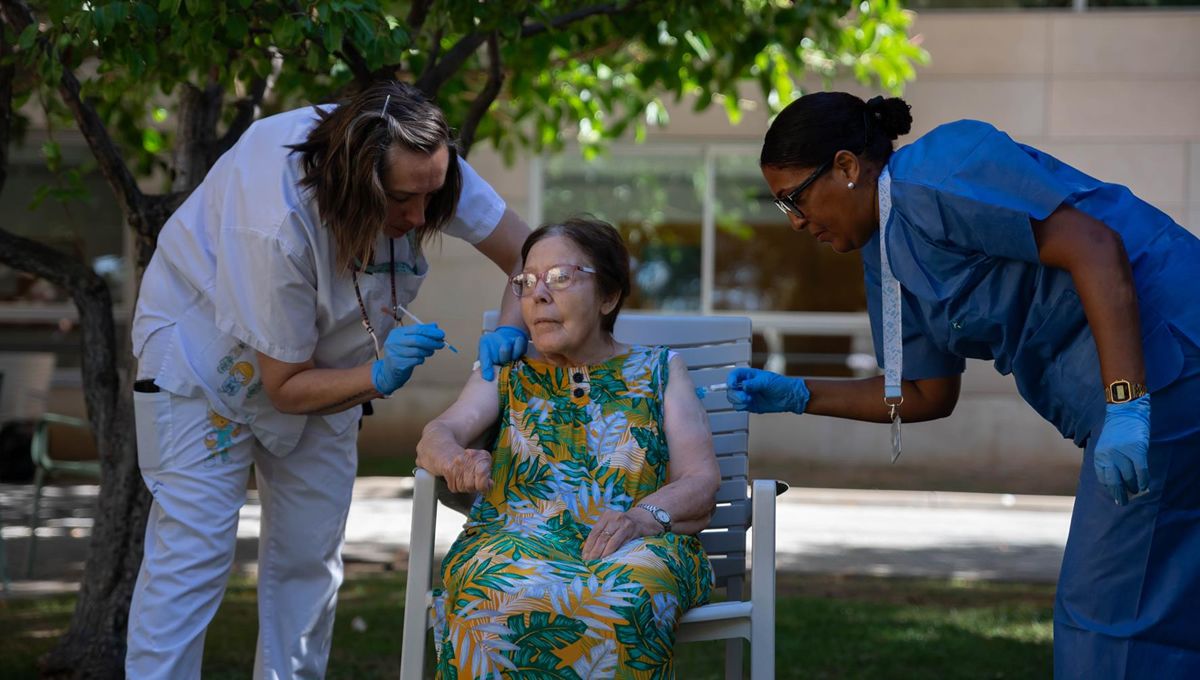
pixel 1087 295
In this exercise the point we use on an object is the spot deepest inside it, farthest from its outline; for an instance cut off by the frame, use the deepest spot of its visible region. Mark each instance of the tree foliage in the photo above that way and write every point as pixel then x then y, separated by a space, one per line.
pixel 557 67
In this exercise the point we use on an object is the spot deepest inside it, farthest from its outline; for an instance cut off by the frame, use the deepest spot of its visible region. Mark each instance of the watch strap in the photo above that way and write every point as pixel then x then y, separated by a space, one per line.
pixel 654 511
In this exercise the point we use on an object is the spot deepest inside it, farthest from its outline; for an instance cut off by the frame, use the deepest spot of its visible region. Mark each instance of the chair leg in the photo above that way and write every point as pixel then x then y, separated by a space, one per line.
pixel 733 659
pixel 420 576
pixel 39 481
pixel 3 564
pixel 762 581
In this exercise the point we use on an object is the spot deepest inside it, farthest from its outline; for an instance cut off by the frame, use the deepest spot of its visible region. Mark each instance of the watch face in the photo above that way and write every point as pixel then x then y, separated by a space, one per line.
pixel 1120 391
pixel 662 517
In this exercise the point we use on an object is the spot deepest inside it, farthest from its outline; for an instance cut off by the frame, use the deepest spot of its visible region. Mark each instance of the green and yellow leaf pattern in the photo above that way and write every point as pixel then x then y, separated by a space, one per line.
pixel 519 601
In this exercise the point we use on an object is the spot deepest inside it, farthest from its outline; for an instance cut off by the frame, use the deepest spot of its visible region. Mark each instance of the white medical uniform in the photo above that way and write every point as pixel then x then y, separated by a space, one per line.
pixel 244 265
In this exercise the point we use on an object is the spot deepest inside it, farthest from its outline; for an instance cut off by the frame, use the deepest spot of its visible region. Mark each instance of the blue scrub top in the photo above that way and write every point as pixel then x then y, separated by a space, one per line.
pixel 961 243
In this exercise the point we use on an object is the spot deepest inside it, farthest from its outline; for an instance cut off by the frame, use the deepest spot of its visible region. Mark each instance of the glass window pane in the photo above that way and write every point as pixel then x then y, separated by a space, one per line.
pixel 1142 3
pixel 655 199
pixel 986 4
pixel 761 264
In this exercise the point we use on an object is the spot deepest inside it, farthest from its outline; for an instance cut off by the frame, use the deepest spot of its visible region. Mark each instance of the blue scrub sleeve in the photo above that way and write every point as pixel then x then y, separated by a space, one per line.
pixel 986 200
pixel 922 358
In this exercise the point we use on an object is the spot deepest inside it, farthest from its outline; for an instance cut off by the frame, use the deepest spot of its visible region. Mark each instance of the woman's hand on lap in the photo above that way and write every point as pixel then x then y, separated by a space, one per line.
pixel 615 529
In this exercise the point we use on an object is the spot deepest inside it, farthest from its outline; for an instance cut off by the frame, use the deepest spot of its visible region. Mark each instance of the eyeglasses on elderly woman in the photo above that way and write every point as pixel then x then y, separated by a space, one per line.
pixel 557 278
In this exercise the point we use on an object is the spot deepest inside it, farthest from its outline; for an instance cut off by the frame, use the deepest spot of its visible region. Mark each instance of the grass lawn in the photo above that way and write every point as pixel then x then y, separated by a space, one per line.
pixel 827 627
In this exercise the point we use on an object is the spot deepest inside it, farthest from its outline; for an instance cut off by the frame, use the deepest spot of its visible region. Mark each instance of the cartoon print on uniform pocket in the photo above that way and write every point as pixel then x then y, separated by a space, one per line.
pixel 254 389
pixel 220 439
pixel 227 361
pixel 240 375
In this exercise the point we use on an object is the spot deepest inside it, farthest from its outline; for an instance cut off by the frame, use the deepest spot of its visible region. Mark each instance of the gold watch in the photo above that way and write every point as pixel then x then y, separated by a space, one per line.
pixel 1121 391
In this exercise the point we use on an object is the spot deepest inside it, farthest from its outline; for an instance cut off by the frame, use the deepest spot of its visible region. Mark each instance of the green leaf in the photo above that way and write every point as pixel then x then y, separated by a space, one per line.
pixel 52 155
pixel 28 36
pixel 152 140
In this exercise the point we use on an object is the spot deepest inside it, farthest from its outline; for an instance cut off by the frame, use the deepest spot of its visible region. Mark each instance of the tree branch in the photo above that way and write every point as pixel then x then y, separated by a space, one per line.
pixel 245 109
pixel 358 65
pixel 7 75
pixel 484 99
pixel 198 112
pixel 435 53
pixel 441 70
pixel 39 259
pixel 608 8
pixel 417 14
pixel 432 80
pixel 112 165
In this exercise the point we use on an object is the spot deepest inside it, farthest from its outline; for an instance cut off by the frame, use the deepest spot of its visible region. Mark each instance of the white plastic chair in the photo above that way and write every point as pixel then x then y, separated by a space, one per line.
pixel 711 346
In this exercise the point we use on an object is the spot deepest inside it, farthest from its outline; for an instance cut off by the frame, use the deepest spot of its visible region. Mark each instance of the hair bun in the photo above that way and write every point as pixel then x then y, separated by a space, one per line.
pixel 892 115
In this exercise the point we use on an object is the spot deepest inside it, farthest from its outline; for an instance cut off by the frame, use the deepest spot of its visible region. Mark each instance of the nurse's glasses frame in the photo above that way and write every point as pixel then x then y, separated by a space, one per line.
pixel 787 202
pixel 558 277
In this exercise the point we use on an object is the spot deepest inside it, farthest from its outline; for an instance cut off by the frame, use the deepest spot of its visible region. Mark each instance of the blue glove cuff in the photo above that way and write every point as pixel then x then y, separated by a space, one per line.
pixel 1139 408
pixel 378 373
pixel 799 396
pixel 512 329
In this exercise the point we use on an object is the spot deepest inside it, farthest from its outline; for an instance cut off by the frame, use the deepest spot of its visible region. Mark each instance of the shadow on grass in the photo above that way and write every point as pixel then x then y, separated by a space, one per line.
pixel 827 627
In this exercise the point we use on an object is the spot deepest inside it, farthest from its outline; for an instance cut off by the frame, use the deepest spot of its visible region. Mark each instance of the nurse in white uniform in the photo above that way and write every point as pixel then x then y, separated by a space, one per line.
pixel 266 317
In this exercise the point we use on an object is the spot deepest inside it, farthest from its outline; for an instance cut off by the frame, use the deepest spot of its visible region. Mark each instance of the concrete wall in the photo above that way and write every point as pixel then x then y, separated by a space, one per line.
pixel 1115 94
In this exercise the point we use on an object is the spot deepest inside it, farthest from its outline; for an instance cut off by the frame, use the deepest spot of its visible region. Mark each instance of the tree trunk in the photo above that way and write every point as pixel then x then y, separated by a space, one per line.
pixel 94 647
pixel 95 644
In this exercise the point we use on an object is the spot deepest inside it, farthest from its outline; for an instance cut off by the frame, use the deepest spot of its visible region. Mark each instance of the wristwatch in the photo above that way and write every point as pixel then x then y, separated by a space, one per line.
pixel 1121 391
pixel 661 516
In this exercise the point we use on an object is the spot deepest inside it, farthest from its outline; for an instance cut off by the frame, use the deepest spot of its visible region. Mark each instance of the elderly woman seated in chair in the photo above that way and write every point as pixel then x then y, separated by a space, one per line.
pixel 579 554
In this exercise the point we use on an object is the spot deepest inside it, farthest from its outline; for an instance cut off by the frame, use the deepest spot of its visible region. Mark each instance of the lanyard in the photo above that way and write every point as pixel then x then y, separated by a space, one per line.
pixel 362 308
pixel 893 349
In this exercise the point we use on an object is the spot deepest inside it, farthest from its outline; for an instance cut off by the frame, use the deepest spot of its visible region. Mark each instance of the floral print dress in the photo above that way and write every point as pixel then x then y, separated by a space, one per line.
pixel 519 601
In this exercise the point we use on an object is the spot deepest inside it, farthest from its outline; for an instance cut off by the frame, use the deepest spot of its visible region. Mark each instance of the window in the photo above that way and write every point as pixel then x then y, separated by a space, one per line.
pixel 656 200
pixel 704 236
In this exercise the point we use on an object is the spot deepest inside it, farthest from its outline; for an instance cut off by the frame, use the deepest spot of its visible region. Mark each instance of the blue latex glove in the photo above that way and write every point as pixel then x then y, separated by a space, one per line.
pixel 406 348
pixel 750 389
pixel 498 347
pixel 1122 453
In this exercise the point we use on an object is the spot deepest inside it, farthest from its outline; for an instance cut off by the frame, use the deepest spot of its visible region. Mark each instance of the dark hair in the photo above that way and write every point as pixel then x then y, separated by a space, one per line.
pixel 816 126
pixel 345 156
pixel 602 244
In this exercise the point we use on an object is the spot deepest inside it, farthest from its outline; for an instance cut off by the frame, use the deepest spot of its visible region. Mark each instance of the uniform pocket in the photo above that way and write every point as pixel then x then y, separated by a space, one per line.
pixel 152 418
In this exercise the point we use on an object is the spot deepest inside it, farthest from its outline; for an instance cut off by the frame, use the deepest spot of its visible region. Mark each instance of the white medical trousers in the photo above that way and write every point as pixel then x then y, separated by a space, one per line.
pixel 196 464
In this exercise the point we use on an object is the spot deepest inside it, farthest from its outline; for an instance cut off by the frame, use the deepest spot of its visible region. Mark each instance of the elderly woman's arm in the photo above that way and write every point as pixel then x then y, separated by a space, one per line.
pixel 442 447
pixel 690 493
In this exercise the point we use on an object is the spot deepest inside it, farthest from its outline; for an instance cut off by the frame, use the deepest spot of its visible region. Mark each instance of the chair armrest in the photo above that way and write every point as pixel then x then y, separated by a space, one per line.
pixel 59 419
pixel 39 446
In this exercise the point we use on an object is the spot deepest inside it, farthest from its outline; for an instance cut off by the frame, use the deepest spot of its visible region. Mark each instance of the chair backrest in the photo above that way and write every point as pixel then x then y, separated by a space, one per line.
pixel 711 346
pixel 25 388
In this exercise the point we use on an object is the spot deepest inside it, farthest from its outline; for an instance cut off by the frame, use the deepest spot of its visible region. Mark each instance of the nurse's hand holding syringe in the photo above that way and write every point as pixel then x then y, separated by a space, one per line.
pixel 400 308
pixel 405 348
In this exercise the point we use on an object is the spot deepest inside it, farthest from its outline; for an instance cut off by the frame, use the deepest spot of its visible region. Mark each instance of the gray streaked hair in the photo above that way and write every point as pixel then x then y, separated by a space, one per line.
pixel 345 157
